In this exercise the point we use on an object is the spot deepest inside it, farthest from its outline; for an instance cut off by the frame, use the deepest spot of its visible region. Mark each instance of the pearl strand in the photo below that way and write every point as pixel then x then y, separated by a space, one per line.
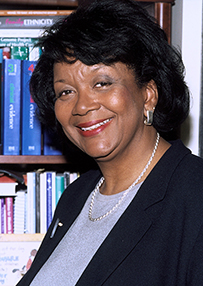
pixel 99 184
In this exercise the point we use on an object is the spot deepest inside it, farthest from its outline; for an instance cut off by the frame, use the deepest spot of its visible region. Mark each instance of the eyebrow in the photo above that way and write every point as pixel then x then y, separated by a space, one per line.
pixel 59 80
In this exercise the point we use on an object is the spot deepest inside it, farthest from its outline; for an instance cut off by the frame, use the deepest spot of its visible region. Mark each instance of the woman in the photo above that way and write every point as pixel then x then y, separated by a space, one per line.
pixel 108 78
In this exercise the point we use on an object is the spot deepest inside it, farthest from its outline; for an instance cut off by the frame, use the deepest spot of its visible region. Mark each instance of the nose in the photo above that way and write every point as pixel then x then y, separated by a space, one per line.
pixel 86 102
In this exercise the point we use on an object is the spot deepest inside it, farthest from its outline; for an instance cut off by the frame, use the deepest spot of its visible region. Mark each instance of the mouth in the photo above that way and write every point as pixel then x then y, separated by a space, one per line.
pixel 93 128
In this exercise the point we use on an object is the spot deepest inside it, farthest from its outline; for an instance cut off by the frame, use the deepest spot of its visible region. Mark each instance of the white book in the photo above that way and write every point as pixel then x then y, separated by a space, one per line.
pixel 8 189
pixel 43 203
pixel 53 192
pixel 73 177
pixel 19 212
pixel 31 202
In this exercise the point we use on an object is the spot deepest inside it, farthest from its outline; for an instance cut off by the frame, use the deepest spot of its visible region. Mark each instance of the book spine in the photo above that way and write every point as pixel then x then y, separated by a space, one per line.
pixel 66 175
pixel 53 193
pixel 1 127
pixel 18 52
pixel 73 177
pixel 31 127
pixel 37 199
pixel 9 214
pixel 2 205
pixel 11 106
pixel 19 211
pixel 59 186
pixel 31 204
pixel 43 203
pixel 49 197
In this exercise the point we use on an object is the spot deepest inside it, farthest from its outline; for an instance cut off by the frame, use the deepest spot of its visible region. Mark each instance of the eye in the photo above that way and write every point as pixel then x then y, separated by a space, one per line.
pixel 101 84
pixel 64 94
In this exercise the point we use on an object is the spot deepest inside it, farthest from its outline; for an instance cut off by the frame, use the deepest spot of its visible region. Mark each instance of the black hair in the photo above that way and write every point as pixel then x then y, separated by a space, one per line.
pixel 111 31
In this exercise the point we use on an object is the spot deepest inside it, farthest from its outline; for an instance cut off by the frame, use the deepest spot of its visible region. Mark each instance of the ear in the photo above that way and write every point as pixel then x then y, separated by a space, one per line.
pixel 151 96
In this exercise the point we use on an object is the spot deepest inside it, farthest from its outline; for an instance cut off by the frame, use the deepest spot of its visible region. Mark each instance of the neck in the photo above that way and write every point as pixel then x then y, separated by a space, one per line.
pixel 121 172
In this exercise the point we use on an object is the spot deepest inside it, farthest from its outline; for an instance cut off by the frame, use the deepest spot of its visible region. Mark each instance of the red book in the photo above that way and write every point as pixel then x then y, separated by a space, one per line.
pixel 9 214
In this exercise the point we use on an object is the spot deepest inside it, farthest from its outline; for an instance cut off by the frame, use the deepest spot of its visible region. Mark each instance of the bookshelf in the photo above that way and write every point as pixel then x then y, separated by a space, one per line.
pixel 41 159
pixel 161 10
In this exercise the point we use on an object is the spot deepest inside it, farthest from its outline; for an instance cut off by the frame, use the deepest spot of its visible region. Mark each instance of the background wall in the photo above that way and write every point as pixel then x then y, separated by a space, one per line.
pixel 187 35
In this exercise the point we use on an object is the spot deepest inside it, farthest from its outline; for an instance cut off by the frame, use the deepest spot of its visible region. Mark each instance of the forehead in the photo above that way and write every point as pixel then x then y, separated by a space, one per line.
pixel 82 70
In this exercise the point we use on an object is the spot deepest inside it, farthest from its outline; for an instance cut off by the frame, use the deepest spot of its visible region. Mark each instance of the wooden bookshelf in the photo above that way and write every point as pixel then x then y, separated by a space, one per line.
pixel 161 10
pixel 4 159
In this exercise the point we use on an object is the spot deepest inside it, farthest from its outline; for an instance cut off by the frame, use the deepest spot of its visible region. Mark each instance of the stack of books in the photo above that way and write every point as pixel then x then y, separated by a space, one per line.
pixel 29 208
pixel 21 132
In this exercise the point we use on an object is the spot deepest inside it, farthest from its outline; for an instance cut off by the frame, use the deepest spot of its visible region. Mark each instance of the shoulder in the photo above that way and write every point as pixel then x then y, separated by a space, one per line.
pixel 189 168
pixel 185 184
pixel 178 177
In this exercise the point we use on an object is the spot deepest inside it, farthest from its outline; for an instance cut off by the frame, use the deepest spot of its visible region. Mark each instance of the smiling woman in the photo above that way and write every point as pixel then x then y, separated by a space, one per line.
pixel 100 108
pixel 104 80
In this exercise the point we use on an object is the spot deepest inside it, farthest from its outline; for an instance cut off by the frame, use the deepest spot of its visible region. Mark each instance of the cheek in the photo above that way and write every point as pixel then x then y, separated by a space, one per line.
pixel 63 115
pixel 62 112
pixel 123 103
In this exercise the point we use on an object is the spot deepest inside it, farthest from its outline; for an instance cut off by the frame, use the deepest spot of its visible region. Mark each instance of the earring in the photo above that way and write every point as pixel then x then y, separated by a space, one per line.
pixel 148 121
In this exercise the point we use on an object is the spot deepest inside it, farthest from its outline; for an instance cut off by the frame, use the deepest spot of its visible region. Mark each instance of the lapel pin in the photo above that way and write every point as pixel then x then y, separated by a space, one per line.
pixel 57 223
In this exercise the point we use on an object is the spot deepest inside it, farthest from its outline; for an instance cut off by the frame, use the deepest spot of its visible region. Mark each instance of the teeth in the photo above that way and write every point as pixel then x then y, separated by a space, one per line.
pixel 95 126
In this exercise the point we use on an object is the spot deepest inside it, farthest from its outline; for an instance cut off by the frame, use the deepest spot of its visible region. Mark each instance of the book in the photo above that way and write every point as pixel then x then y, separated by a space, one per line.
pixel 43 203
pixel 27 25
pixel 30 127
pixel 6 51
pixel 51 144
pixel 2 212
pixel 19 212
pixel 66 175
pixel 7 186
pixel 59 186
pixel 9 214
pixel 31 203
pixel 22 48
pixel 11 106
pixel 73 177
pixel 47 199
pixel 1 61
pixel 50 195
pixel 21 53
pixel 8 189
pixel 37 200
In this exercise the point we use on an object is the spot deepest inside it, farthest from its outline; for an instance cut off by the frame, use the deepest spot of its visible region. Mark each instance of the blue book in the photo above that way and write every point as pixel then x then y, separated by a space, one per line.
pixel 31 127
pixel 11 101
pixel 51 192
pixel 1 126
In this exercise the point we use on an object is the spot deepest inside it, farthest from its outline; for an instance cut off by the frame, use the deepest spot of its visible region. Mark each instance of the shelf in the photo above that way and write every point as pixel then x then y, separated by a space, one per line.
pixel 32 159
pixel 21 237
pixel 73 3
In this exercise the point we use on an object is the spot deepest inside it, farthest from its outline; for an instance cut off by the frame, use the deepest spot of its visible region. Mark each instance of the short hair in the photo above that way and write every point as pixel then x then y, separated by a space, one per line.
pixel 107 32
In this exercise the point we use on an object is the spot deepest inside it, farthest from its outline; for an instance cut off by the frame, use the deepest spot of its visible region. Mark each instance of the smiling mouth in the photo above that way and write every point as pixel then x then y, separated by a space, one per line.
pixel 95 126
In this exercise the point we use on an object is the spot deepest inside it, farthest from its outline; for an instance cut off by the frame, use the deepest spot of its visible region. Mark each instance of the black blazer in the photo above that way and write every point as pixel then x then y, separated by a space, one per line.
pixel 158 241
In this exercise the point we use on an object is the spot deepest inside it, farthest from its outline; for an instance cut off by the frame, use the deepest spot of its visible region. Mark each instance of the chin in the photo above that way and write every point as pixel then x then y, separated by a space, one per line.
pixel 101 156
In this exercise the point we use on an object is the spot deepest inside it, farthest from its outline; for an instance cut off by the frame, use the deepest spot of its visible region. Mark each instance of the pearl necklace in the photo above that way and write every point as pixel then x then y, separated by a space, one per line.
pixel 96 190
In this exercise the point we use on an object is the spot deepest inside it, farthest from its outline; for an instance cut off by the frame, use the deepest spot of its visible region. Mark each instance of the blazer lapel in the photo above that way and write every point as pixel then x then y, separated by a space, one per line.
pixel 134 223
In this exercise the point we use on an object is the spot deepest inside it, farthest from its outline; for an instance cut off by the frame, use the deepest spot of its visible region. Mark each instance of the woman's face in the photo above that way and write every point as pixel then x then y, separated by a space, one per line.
pixel 101 109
